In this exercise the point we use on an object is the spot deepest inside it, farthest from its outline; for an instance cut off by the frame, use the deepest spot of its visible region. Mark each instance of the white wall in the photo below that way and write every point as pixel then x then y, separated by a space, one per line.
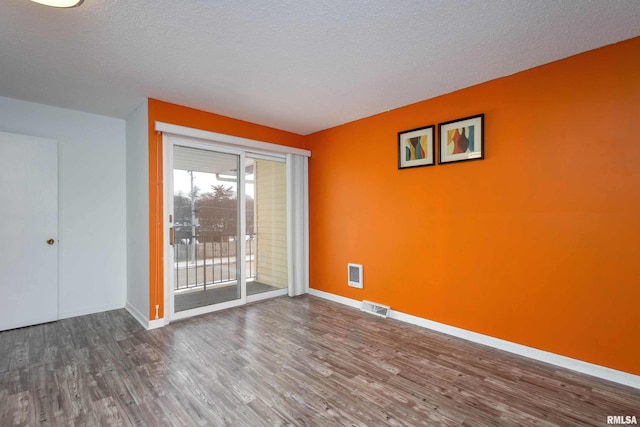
pixel 138 214
pixel 92 201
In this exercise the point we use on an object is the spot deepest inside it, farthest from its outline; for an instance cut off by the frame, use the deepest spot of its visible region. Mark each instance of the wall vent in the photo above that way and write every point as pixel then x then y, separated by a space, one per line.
pixel 375 308
pixel 355 275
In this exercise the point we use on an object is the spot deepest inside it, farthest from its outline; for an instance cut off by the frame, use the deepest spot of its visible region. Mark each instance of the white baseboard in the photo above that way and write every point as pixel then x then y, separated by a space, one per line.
pixel 603 372
pixel 335 298
pixel 153 324
pixel 142 319
pixel 86 311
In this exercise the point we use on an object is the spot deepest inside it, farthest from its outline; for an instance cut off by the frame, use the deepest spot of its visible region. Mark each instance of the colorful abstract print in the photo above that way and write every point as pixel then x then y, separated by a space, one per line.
pixel 460 140
pixel 416 148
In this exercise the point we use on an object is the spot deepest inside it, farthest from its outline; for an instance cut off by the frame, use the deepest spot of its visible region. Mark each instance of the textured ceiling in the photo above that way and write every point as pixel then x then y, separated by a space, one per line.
pixel 299 65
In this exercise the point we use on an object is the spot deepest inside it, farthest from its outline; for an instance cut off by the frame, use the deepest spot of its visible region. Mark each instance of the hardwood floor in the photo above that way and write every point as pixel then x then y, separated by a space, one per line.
pixel 299 362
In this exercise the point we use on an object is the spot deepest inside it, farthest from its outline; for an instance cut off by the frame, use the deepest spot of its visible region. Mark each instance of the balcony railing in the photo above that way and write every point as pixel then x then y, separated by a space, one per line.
pixel 200 262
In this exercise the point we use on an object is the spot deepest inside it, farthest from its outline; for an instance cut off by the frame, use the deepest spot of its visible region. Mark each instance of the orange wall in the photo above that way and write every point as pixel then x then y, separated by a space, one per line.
pixel 538 244
pixel 183 116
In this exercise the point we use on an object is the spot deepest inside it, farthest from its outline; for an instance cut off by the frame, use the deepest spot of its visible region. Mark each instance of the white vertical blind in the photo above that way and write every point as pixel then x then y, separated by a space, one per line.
pixel 297 215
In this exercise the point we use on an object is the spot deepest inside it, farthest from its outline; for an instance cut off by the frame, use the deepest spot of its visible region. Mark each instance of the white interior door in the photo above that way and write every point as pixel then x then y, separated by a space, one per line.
pixel 29 228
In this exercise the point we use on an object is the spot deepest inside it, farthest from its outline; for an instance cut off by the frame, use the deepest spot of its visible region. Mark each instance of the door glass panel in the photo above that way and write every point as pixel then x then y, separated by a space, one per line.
pixel 206 221
pixel 266 208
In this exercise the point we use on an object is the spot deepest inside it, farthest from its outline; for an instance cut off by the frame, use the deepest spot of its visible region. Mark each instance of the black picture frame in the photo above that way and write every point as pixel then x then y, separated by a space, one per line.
pixel 416 147
pixel 461 140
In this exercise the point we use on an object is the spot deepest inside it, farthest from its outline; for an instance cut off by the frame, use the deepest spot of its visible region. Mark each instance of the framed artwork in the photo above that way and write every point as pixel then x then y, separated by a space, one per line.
pixel 461 139
pixel 415 147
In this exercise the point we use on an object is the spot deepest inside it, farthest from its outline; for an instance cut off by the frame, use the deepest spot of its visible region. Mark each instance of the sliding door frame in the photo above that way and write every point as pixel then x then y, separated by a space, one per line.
pixel 297 212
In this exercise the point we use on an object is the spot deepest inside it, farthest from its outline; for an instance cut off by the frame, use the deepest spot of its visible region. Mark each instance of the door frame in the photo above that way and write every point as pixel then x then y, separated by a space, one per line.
pixel 168 142
pixel 297 215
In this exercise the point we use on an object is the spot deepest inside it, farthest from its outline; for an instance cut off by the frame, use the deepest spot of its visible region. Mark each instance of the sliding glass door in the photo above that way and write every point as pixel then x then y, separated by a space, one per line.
pixel 227 228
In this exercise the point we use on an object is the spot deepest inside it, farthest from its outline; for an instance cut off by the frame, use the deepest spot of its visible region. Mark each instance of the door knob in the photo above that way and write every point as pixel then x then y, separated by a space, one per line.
pixel 51 241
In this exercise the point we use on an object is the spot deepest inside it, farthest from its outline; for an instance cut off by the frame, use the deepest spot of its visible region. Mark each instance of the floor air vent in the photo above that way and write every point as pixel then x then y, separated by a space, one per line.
pixel 374 308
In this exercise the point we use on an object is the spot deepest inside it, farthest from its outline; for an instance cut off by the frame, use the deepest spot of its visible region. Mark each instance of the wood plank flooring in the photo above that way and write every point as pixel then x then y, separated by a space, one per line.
pixel 297 362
